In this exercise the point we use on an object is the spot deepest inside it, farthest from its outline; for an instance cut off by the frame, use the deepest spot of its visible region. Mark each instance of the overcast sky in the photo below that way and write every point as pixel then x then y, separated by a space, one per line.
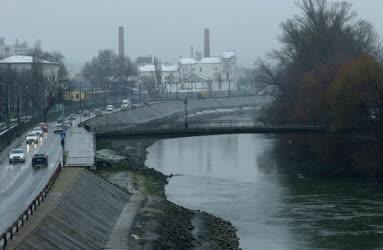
pixel 165 28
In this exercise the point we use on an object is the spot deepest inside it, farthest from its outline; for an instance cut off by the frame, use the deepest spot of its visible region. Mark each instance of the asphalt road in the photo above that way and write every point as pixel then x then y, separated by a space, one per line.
pixel 20 183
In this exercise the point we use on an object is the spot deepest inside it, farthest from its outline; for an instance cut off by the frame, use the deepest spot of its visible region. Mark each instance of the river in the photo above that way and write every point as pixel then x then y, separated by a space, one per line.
pixel 236 178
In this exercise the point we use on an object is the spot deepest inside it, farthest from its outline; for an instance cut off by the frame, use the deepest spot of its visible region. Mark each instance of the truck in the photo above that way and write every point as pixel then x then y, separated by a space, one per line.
pixel 125 104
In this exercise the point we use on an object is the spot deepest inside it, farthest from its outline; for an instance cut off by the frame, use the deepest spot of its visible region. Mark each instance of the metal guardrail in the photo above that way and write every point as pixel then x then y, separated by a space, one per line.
pixel 9 233
pixel 200 124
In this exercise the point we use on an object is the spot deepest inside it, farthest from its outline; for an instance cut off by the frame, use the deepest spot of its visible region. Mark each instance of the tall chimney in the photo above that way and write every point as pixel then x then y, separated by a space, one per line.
pixel 121 42
pixel 207 44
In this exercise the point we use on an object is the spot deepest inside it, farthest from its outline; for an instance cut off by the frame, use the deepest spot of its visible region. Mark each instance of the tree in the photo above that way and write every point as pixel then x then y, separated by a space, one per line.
pixel 356 95
pixel 325 33
pixel 108 66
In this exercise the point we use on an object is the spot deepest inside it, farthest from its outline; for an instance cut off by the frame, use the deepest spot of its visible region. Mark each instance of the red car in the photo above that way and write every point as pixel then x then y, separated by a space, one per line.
pixel 44 127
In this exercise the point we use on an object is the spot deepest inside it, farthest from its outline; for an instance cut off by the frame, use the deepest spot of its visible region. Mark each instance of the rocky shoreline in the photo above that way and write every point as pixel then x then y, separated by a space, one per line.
pixel 161 224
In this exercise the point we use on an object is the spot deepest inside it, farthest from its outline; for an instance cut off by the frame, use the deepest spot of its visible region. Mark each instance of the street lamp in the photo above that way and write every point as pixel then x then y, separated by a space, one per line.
pixel 186 112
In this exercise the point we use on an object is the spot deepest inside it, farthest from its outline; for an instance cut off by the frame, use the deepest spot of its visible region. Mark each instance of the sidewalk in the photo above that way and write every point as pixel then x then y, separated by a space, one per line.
pixel 80 146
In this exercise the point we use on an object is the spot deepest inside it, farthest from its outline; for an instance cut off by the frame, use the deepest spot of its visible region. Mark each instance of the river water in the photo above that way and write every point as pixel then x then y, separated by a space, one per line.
pixel 236 178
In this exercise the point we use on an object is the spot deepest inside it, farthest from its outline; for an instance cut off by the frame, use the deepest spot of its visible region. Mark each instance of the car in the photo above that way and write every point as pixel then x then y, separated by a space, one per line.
pixel 124 106
pixel 17 155
pixel 44 126
pixel 60 120
pixel 68 123
pixel 32 138
pixel 109 108
pixel 86 113
pixel 58 128
pixel 98 113
pixel 38 131
pixel 39 160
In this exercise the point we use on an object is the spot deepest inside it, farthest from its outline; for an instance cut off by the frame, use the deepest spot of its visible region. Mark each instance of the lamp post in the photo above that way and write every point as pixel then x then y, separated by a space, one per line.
pixel 186 112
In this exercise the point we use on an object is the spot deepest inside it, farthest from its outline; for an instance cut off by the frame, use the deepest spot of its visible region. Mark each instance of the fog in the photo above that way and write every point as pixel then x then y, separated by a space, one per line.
pixel 164 28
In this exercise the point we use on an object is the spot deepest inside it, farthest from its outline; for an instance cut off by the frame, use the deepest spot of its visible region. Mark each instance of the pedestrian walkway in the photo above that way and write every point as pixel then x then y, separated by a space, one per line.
pixel 80 147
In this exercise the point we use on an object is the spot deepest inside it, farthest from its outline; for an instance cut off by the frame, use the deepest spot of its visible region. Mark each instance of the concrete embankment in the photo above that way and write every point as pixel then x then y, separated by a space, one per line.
pixel 83 217
pixel 168 109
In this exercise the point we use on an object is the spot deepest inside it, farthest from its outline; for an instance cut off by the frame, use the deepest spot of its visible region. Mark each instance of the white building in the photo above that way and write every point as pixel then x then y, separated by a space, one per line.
pixel 24 63
pixel 220 73
pixel 220 69
pixel 169 73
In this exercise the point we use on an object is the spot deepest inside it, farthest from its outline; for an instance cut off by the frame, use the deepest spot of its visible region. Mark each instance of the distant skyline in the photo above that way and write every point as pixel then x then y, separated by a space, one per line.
pixel 164 28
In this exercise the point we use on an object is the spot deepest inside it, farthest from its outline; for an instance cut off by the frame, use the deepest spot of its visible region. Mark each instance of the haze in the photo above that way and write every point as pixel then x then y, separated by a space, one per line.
pixel 163 28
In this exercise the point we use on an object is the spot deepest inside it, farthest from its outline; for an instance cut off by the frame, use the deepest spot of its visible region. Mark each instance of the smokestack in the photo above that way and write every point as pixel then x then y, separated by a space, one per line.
pixel 207 44
pixel 121 42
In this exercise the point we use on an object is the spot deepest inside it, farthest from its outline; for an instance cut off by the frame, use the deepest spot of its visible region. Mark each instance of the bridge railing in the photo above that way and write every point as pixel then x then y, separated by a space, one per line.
pixel 197 124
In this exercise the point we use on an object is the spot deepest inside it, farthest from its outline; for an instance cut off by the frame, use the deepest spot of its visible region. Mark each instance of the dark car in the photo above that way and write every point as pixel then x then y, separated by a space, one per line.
pixel 39 160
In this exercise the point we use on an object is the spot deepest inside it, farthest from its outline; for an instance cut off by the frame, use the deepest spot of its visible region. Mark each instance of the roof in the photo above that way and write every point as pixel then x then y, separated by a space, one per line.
pixel 146 68
pixel 164 68
pixel 21 59
pixel 186 60
pixel 169 68
pixel 210 60
pixel 228 54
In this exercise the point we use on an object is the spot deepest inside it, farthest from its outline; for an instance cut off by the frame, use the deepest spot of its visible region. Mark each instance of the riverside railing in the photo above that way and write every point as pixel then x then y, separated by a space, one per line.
pixel 132 128
pixel 9 233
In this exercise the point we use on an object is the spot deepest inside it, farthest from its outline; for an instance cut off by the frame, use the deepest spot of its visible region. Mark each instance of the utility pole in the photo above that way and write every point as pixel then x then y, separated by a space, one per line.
pixel 186 112
pixel 92 94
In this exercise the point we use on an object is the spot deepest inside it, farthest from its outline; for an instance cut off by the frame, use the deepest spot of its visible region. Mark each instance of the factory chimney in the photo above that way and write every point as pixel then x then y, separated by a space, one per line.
pixel 207 44
pixel 121 42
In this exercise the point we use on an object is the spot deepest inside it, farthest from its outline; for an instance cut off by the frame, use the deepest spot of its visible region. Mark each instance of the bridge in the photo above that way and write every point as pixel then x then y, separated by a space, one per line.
pixel 203 127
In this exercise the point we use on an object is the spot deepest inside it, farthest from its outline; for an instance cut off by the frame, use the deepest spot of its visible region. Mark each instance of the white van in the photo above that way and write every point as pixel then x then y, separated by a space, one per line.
pixel 125 104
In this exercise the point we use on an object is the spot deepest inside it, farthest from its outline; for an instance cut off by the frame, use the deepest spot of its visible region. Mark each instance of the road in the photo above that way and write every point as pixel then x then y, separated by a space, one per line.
pixel 20 183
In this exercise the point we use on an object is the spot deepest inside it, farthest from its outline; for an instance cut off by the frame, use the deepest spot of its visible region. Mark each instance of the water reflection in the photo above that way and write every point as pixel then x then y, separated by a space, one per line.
pixel 237 177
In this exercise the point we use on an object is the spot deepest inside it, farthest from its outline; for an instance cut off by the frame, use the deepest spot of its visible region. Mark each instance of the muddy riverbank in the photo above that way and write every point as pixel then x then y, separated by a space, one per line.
pixel 159 223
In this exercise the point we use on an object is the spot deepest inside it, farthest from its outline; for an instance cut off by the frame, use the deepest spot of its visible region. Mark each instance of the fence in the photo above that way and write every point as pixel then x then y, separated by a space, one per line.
pixel 133 128
pixel 20 221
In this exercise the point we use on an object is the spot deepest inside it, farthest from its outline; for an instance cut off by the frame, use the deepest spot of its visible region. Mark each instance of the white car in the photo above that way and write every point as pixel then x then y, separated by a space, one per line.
pixel 109 108
pixel 32 138
pixel 38 131
pixel 124 106
pixel 17 155
pixel 58 128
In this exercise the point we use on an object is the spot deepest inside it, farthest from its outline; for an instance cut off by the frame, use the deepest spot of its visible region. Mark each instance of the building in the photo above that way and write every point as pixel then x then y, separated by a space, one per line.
pixel 143 60
pixel 20 49
pixel 24 63
pixel 222 68
pixel 168 72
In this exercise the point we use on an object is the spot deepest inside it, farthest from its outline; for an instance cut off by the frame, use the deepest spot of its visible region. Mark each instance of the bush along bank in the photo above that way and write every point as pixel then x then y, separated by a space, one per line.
pixel 159 223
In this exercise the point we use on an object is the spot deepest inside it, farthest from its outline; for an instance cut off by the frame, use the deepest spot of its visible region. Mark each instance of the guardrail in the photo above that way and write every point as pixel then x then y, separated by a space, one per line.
pixel 23 217
pixel 199 124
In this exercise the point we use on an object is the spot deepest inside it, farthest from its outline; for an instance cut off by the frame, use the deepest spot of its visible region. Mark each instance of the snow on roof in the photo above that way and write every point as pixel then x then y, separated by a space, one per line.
pixel 20 59
pixel 146 68
pixel 169 68
pixel 228 54
pixel 151 68
pixel 210 60
pixel 187 60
